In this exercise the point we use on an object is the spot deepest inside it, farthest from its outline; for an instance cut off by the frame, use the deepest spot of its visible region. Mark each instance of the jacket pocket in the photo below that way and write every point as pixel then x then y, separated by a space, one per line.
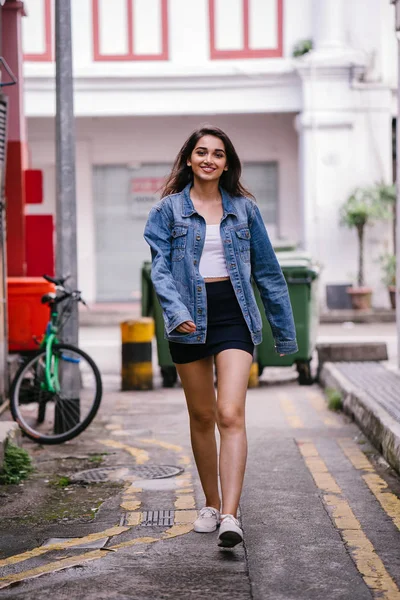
pixel 244 236
pixel 179 237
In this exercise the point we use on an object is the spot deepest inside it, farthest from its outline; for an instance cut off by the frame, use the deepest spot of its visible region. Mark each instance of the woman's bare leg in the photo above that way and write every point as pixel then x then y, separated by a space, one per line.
pixel 198 383
pixel 233 369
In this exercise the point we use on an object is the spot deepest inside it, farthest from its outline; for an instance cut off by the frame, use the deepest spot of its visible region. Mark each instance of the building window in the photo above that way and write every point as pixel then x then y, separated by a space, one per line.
pixel 246 28
pixel 37 31
pixel 130 30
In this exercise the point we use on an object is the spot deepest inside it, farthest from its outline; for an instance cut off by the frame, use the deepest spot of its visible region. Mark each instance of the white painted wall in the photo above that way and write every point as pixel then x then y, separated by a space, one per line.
pixel 370 28
pixel 142 111
pixel 188 30
pixel 257 138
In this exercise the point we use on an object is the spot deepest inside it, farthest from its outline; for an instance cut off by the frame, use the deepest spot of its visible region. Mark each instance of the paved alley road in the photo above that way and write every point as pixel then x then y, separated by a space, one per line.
pixel 320 511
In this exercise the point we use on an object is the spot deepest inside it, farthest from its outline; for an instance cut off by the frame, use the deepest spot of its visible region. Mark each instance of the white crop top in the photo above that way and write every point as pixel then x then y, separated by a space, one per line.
pixel 212 262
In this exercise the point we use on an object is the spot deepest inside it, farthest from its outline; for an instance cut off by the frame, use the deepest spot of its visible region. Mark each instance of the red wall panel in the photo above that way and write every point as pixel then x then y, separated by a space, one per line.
pixel 39 245
pixel 33 186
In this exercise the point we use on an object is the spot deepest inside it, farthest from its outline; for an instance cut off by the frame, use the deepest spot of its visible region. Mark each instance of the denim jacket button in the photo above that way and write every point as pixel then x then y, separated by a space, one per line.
pixel 199 288
pixel 195 262
pixel 198 238
pixel 199 338
pixel 232 265
pixel 199 311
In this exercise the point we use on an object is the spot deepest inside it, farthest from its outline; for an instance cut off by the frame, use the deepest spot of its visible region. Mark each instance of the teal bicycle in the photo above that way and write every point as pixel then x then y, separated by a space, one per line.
pixel 57 391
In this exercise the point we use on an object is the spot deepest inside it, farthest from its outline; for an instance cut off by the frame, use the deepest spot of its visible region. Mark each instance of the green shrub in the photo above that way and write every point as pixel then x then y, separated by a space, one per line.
pixel 62 482
pixel 17 465
pixel 335 401
pixel 302 47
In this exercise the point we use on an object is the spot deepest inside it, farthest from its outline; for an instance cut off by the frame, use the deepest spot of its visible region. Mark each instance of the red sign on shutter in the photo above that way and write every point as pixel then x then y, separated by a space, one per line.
pixel 147 185
pixel 145 193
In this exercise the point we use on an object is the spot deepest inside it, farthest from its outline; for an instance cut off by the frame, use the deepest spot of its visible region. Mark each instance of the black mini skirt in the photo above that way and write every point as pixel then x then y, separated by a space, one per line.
pixel 226 327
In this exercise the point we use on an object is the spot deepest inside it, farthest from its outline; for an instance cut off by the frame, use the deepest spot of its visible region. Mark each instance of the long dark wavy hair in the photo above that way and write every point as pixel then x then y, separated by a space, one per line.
pixel 182 174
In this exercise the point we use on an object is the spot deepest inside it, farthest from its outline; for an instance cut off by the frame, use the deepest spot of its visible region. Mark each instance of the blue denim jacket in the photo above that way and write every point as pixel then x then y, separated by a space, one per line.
pixel 176 233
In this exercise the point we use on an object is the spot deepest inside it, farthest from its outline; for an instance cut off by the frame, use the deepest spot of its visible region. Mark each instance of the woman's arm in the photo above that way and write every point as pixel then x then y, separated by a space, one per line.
pixel 271 283
pixel 158 236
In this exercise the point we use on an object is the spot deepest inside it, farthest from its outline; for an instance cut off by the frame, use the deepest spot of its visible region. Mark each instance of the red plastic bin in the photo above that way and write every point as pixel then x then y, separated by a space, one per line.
pixel 27 316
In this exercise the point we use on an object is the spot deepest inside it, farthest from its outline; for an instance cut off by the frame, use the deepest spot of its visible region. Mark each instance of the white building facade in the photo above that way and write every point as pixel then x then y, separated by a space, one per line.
pixel 147 72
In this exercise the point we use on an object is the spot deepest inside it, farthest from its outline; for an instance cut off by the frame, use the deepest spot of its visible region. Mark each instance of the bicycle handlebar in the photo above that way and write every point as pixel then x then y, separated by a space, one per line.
pixel 76 294
pixel 59 281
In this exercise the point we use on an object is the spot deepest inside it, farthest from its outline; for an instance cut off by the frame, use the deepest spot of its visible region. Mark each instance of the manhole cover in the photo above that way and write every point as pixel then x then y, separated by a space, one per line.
pixel 126 473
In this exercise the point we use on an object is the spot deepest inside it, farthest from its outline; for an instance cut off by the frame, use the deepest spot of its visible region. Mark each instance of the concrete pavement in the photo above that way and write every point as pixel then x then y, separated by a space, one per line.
pixel 320 509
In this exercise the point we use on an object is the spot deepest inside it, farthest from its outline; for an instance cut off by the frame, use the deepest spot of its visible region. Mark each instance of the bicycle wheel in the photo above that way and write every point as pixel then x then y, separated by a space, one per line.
pixel 53 416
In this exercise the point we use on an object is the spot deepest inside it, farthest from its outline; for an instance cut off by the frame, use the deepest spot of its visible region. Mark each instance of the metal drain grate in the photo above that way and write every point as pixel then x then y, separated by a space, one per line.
pixel 153 518
pixel 122 473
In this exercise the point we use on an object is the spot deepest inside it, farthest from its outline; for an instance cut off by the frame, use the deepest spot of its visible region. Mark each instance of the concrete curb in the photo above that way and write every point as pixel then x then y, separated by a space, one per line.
pixel 380 428
pixel 9 432
pixel 104 315
pixel 377 315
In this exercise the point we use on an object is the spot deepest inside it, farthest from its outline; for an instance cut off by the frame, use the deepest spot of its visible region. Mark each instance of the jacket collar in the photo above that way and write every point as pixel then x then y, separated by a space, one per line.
pixel 188 208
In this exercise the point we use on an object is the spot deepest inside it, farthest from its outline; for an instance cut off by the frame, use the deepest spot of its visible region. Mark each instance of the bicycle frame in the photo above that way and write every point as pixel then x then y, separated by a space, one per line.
pixel 51 366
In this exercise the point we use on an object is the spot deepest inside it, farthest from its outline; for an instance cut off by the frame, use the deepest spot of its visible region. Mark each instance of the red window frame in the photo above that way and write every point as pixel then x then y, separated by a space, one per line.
pixel 47 55
pixel 130 55
pixel 246 52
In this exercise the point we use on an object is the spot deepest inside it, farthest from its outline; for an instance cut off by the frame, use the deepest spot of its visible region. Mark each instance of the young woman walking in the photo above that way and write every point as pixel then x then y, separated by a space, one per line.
pixel 208 241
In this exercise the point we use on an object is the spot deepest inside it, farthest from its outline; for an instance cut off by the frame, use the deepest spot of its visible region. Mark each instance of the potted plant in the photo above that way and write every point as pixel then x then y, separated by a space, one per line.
pixel 361 208
pixel 388 262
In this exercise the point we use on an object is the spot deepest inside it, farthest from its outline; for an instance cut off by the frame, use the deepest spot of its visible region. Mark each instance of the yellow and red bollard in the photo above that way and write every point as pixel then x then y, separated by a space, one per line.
pixel 137 369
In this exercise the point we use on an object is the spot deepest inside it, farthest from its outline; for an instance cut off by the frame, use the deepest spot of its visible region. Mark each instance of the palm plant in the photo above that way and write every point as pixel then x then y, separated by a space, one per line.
pixel 361 209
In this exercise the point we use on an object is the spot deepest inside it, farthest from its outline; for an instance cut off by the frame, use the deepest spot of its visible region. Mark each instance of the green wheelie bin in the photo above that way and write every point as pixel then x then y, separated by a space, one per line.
pixel 151 308
pixel 302 279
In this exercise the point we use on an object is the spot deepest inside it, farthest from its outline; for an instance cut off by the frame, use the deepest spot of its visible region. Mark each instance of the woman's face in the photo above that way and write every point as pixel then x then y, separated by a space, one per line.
pixel 208 159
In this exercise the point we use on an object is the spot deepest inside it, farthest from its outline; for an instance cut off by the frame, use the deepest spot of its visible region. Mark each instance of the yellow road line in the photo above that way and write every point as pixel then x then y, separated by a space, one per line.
pixel 130 502
pixel 130 505
pixel 183 522
pixel 361 549
pixel 177 530
pixel 185 502
pixel 184 492
pixel 174 531
pixel 140 455
pixel 133 519
pixel 290 413
pixel 66 563
pixel 161 444
pixel 389 501
pixel 12 560
pixel 318 403
pixel 185 516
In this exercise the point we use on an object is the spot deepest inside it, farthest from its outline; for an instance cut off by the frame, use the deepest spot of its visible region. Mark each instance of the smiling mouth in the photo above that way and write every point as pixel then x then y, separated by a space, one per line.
pixel 208 169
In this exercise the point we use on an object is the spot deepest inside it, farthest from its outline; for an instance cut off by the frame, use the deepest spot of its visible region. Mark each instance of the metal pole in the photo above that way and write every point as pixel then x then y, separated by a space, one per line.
pixel 66 244
pixel 397 249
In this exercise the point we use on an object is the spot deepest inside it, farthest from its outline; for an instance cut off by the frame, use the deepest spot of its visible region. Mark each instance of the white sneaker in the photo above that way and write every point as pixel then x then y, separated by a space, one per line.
pixel 208 520
pixel 230 532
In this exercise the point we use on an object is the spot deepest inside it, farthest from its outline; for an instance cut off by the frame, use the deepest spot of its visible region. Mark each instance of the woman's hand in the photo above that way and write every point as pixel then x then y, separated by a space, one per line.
pixel 281 355
pixel 186 327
